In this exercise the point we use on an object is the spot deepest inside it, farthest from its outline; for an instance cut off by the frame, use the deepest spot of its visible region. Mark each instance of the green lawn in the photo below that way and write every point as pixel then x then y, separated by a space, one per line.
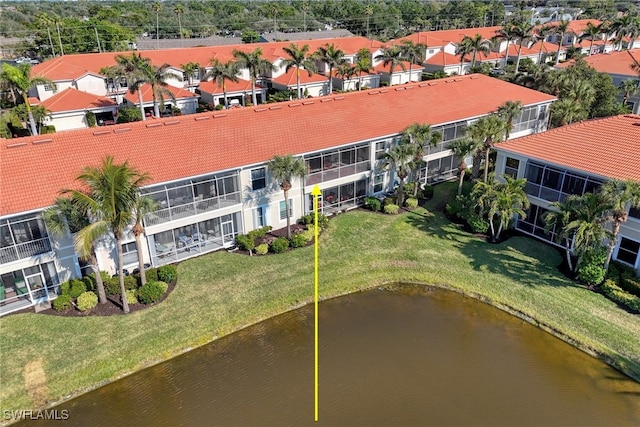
pixel 45 358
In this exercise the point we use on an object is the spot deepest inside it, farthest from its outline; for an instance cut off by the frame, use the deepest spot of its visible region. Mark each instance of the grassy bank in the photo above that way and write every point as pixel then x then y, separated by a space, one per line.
pixel 45 358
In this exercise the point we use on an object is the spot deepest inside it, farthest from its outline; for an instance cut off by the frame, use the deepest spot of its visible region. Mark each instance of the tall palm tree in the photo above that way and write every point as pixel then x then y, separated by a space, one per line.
pixel 591 32
pixel 618 195
pixel 157 78
pixel 19 78
pixel 67 217
pixel 475 45
pixel 414 52
pixel 300 59
pixel 629 88
pixel 507 33
pixel 274 10
pixel 541 34
pixel 490 130
pixel 463 49
pixel 39 113
pixel 109 196
pixel 566 111
pixel 558 218
pixel 560 29
pixel 362 64
pixel 284 169
pixel 157 7
pixel 419 137
pixel 179 10
pixel 463 148
pixel 508 111
pixel 635 64
pixel 190 69
pixel 523 32
pixel 391 56
pixel 399 158
pixel 331 56
pixel 222 72
pixel 588 225
pixel 133 66
pixel 368 12
pixel 142 206
pixel 256 64
pixel 345 71
pixel 625 26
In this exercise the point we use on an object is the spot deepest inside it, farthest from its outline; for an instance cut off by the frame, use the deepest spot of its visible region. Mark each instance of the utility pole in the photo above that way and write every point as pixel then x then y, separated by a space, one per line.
pixel 59 38
pixel 97 39
pixel 53 51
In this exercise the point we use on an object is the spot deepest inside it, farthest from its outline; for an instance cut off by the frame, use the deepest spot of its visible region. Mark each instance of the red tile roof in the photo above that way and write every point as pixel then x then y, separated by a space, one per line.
pixel 72 99
pixel 611 63
pixel 442 37
pixel 608 147
pixel 443 58
pixel 381 68
pixel 289 78
pixel 33 169
pixel 147 94
pixel 212 87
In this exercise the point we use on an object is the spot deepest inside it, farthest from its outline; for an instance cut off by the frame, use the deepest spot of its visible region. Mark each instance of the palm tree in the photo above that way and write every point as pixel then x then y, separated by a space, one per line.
pixel 39 113
pixel 629 88
pixel 618 195
pixel 284 169
pixel 179 10
pixel 399 158
pixel 368 11
pixel 109 196
pixel 133 66
pixel 566 111
pixel 507 33
pixel 142 206
pixel 19 78
pixel 588 225
pixel 591 32
pixel 157 78
pixel 221 73
pixel 474 45
pixel 256 64
pixel 635 64
pixel 274 10
pixel 508 111
pixel 391 56
pixel 541 34
pixel 463 49
pixel 626 25
pixel 300 59
pixel 190 69
pixel 362 64
pixel 523 32
pixel 157 7
pixel 345 71
pixel 67 217
pixel 419 137
pixel 331 56
pixel 490 130
pixel 560 30
pixel 560 215
pixel 463 148
pixel 414 52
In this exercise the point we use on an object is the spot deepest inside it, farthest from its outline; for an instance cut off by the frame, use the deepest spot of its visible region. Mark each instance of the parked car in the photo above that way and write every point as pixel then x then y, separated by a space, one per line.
pixel 497 72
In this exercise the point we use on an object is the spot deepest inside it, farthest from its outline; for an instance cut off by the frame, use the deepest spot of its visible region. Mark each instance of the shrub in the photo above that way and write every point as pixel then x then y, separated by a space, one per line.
pixel 299 240
pixel 245 242
pixel 279 245
pixel 308 234
pixel 391 209
pixel 631 285
pixel 63 302
pixel 167 273
pixel 411 203
pixel 152 274
pixel 262 249
pixel 620 296
pixel 112 284
pixel 389 201
pixel 77 288
pixel 591 271
pixel 90 280
pixel 478 224
pixel 87 301
pixel 131 296
pixel 151 292
pixel 129 114
pixel 65 287
pixel 259 233
pixel 372 203
pixel 307 219
pixel 427 192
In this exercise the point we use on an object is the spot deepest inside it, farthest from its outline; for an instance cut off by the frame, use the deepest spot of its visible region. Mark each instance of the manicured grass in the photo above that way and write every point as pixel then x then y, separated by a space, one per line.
pixel 221 292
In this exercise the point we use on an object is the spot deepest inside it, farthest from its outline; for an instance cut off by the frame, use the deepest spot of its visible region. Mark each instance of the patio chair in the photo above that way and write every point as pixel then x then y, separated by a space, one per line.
pixel 161 249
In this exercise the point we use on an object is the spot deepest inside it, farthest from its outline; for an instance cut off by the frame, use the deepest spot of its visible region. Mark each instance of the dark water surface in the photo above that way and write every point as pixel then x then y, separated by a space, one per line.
pixel 410 358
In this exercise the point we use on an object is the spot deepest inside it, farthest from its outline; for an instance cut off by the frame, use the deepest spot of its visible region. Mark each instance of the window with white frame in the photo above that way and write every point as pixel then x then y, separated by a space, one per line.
pixel 381 148
pixel 628 251
pixel 130 253
pixel 378 183
pixel 283 210
pixel 48 88
pixel 258 178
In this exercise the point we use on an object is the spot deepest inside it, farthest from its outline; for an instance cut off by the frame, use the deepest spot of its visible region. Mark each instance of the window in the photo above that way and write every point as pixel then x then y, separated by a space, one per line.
pixel 511 167
pixel 634 213
pixel 534 173
pixel 378 182
pixel 258 179
pixel 283 210
pixel 573 184
pixel 48 88
pixel 130 253
pixel 628 251
pixel 380 149
pixel 260 217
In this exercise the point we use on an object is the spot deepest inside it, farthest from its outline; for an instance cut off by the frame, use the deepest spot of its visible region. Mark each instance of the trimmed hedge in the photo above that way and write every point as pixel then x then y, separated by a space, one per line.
pixel 262 249
pixel 167 273
pixel 610 289
pixel 63 302
pixel 411 203
pixel 372 203
pixel 112 284
pixel 131 297
pixel 280 245
pixel 391 209
pixel 151 292
pixel 87 301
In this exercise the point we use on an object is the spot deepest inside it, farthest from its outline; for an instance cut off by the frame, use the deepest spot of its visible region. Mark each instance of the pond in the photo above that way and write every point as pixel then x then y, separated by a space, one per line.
pixel 409 357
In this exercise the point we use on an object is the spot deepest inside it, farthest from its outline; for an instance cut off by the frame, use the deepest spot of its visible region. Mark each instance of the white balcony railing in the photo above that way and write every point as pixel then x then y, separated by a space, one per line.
pixel 24 250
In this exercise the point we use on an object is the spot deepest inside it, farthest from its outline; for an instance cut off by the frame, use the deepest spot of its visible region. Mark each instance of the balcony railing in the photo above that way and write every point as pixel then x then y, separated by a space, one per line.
pixel 24 250
pixel 339 171
pixel 192 208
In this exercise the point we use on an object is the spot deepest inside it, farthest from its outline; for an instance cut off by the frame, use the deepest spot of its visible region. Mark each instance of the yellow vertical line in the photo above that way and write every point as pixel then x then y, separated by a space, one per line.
pixel 315 231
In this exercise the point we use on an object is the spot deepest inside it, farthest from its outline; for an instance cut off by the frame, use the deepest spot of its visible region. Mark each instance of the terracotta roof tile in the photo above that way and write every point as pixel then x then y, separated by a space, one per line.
pixel 385 69
pixel 33 169
pixel 608 147
pixel 147 94
pixel 241 85
pixel 611 63
pixel 289 78
pixel 72 99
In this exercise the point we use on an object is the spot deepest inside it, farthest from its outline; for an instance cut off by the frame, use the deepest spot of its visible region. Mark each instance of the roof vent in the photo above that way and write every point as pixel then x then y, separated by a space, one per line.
pixel 276 107
pixel 474 77
pixel 307 103
pixel 215 116
pixel 384 90
pixel 172 122
pixel 121 130
pixel 423 84
pixel 42 141
pixel 16 144
pixel 197 119
pixel 101 132
pixel 398 89
pixel 373 92
pixel 152 125
pixel 457 80
pixel 326 100
pixel 297 104
pixel 408 87
pixel 432 83
pixel 259 110
pixel 339 98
